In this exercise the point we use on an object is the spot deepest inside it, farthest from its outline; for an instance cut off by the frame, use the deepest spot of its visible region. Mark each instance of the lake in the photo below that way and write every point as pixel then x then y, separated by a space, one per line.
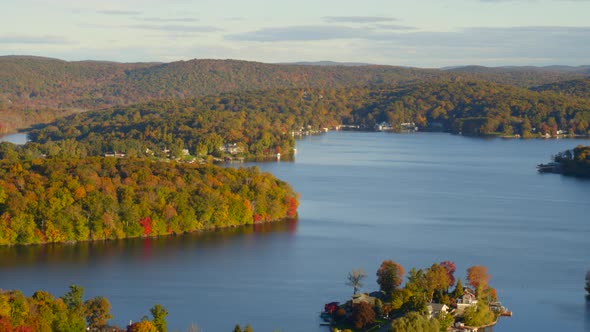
pixel 365 197
pixel 18 138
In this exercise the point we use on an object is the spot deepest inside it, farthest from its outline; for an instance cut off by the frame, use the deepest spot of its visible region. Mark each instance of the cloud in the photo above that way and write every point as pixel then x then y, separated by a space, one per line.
pixel 394 27
pixel 175 28
pixel 119 12
pixel 358 19
pixel 171 20
pixel 40 40
pixel 301 33
pixel 541 45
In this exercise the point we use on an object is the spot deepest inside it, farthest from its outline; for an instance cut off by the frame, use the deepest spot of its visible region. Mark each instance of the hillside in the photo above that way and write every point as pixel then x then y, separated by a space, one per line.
pixel 263 123
pixel 34 82
pixel 578 88
pixel 42 82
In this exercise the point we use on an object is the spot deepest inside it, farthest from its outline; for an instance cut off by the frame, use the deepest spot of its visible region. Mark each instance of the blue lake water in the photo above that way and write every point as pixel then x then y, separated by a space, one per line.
pixel 19 138
pixel 365 197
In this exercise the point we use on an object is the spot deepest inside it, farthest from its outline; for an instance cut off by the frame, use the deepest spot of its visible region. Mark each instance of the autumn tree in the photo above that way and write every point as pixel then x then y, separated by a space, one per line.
pixel 355 278
pixel 143 326
pixel 362 315
pixel 450 268
pixel 478 276
pixel 437 278
pixel 248 328
pixel 97 312
pixel 389 276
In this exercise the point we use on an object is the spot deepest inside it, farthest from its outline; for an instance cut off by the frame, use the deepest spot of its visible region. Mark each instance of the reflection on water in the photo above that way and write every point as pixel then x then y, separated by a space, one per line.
pixel 587 315
pixel 140 248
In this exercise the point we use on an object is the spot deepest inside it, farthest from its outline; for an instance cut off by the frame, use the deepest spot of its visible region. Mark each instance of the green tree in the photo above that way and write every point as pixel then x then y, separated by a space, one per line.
pixel 458 292
pixel 73 298
pixel 159 314
pixel 237 328
pixel 478 315
pixel 415 322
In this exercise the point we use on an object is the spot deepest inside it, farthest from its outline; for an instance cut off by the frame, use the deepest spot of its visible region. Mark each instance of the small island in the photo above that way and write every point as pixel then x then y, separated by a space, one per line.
pixel 426 301
pixel 588 283
pixel 574 162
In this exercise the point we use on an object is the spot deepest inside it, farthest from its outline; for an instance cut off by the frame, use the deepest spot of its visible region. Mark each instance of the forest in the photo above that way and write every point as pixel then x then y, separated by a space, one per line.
pixel 261 124
pixel 42 312
pixel 49 200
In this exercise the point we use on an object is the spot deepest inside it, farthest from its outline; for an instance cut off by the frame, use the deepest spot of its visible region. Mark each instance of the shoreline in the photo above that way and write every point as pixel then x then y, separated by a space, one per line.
pixel 200 231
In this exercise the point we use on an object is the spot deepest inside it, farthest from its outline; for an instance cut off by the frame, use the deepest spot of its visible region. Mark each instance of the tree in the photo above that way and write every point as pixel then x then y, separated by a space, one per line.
pixel 159 314
pixel 414 322
pixel 478 275
pixel 355 278
pixel 73 298
pixel 97 312
pixel 450 268
pixel 237 328
pixel 458 292
pixel 362 315
pixel 478 315
pixel 248 328
pixel 143 326
pixel 389 276
pixel 436 279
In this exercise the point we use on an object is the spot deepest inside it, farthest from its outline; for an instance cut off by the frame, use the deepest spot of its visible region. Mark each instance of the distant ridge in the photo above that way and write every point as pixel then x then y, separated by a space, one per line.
pixel 38 82
pixel 556 68
pixel 329 63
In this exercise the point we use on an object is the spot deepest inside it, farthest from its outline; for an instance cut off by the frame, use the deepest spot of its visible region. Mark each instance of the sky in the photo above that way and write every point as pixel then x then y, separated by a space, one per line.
pixel 419 33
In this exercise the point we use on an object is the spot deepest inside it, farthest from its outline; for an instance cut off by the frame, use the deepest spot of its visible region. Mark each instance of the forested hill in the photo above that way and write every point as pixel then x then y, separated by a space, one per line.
pixel 577 88
pixel 64 200
pixel 262 123
pixel 34 82
pixel 523 76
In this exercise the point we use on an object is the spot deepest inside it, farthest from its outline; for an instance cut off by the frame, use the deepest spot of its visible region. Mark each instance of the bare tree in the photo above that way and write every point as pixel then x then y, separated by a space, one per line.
pixel 355 279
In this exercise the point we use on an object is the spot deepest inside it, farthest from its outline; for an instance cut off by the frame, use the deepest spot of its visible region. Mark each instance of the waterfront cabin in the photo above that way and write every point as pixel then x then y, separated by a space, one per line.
pixel 468 299
pixel 434 309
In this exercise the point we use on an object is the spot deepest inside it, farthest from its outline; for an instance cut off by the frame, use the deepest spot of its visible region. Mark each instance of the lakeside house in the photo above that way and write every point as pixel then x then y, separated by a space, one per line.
pixel 468 299
pixel 435 309
pixel 362 297
pixel 114 154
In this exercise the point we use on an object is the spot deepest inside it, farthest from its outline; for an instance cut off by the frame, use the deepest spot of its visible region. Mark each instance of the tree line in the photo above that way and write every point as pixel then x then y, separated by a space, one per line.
pixel 264 123
pixel 48 200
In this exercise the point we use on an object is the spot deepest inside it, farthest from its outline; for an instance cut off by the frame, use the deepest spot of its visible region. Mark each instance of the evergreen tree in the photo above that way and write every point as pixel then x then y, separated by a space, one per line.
pixel 159 314
pixel 458 292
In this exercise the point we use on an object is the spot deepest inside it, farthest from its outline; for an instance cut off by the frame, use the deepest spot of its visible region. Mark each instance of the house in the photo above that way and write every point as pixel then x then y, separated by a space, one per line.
pixel 434 309
pixel 114 154
pixel 466 300
pixel 361 297
pixel 231 148
pixel 383 126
